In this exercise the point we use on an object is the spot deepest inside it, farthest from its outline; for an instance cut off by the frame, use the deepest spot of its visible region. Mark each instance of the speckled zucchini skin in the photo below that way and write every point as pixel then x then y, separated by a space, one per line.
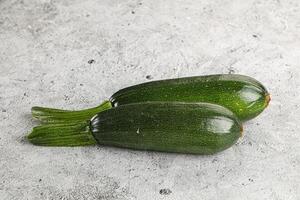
pixel 198 128
pixel 243 95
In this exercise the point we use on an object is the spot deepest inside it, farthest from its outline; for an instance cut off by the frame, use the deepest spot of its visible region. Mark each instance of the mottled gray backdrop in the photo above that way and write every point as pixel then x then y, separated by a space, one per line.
pixel 75 54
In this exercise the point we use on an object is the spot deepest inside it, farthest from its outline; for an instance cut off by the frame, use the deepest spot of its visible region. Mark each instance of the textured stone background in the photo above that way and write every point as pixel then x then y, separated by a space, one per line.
pixel 75 54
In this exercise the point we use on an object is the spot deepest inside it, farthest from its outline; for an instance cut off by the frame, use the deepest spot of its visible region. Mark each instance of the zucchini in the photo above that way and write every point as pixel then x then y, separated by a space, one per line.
pixel 199 128
pixel 243 95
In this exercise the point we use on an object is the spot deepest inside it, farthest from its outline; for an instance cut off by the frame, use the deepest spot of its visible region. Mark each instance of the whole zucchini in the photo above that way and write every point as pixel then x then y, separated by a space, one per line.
pixel 198 128
pixel 244 96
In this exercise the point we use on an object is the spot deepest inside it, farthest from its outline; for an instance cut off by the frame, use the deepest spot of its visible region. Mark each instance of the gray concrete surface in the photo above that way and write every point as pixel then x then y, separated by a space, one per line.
pixel 45 49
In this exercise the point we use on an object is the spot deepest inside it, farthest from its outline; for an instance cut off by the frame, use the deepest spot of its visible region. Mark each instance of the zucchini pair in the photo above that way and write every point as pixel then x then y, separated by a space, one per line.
pixel 200 115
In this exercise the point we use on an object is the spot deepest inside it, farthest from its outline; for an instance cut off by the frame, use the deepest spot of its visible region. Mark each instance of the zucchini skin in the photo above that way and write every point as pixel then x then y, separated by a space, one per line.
pixel 198 128
pixel 243 95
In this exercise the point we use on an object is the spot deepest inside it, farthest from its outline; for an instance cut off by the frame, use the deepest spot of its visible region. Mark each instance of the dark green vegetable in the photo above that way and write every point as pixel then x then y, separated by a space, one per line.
pixel 199 128
pixel 244 96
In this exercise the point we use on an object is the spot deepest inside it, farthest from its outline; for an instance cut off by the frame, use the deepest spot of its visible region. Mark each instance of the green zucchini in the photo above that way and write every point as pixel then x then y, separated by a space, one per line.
pixel 244 96
pixel 199 128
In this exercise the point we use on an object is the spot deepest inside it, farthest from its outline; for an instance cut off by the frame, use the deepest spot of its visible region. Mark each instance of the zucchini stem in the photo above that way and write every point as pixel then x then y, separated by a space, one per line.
pixel 64 134
pixel 56 116
pixel 64 127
